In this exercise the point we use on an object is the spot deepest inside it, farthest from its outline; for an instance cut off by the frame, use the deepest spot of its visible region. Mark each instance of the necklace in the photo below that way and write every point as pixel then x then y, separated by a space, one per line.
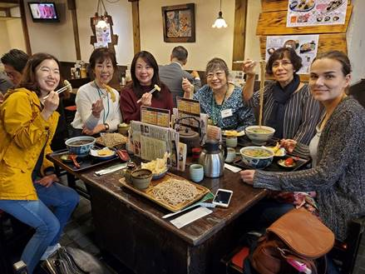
pixel 216 109
pixel 101 96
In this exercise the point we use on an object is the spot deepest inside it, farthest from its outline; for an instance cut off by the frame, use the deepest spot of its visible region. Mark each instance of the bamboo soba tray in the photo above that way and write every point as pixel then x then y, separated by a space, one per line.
pixel 202 191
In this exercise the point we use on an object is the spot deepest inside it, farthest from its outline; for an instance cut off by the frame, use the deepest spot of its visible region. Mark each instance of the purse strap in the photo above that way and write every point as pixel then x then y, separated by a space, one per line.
pixel 303 233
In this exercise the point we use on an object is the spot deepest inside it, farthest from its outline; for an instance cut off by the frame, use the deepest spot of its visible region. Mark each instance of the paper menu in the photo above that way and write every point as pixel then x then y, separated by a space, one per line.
pixel 190 217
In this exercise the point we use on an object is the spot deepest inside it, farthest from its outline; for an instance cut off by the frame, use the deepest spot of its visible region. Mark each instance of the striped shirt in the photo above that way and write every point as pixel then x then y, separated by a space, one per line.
pixel 302 112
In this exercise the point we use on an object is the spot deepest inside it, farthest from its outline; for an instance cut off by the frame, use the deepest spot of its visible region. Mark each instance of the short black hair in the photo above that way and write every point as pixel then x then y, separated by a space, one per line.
pixel 280 54
pixel 180 53
pixel 99 55
pixel 15 58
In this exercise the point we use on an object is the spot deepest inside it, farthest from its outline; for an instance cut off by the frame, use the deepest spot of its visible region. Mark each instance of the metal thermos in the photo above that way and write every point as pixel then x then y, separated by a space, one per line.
pixel 212 158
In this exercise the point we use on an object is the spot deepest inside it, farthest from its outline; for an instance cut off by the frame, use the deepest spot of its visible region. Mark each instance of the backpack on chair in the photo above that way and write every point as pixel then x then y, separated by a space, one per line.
pixel 292 244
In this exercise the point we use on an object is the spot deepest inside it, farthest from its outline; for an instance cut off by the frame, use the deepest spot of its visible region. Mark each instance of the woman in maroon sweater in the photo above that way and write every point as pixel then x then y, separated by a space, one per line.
pixel 144 71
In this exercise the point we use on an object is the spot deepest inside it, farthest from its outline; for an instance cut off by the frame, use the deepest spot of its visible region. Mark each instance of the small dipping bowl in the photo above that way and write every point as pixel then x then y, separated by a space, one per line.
pixel 141 178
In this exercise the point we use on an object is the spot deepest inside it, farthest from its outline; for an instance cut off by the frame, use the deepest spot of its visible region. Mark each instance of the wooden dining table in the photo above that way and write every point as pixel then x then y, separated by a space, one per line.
pixel 131 227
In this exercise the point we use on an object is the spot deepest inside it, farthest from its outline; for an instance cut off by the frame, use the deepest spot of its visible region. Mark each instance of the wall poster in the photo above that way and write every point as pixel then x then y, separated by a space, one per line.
pixel 305 46
pixel 303 13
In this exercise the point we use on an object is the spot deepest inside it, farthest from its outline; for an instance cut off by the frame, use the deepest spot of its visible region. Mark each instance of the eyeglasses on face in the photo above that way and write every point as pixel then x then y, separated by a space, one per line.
pixel 218 74
pixel 283 63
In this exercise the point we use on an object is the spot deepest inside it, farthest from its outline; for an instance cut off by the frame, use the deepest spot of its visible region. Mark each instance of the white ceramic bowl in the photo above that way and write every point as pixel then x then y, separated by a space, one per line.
pixel 254 161
pixel 259 135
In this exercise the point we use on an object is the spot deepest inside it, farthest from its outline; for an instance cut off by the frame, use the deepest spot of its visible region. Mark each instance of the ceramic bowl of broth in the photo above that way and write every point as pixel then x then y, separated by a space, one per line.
pixel 259 135
pixel 80 145
pixel 257 157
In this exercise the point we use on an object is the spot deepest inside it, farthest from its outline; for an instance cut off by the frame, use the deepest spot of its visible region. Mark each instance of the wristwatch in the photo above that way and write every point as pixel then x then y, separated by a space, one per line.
pixel 106 127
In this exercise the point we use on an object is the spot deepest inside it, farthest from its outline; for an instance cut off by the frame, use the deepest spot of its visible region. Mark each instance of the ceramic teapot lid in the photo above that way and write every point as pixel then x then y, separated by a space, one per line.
pixel 187 132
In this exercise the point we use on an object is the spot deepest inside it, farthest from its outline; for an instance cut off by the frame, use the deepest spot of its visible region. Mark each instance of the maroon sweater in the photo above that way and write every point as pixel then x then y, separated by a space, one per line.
pixel 132 111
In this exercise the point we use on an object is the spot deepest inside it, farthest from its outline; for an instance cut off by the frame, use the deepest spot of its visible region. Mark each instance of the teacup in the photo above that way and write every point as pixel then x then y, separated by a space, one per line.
pixel 196 173
pixel 231 141
pixel 141 178
pixel 231 155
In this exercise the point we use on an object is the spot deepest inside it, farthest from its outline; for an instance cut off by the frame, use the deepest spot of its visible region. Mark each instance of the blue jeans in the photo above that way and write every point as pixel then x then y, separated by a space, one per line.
pixel 48 226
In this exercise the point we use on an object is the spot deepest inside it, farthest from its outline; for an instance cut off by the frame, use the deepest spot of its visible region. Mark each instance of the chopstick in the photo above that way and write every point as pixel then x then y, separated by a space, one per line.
pixel 59 91
pixel 241 61
pixel 156 87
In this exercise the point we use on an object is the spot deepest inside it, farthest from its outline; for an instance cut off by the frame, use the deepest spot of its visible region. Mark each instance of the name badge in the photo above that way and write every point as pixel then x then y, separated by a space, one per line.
pixel 226 113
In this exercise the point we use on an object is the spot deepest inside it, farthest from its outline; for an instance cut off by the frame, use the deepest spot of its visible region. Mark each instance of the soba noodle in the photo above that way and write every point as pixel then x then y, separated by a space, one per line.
pixel 175 192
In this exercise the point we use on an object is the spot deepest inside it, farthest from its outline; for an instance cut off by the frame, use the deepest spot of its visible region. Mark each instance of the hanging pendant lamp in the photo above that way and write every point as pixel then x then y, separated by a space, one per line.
pixel 220 22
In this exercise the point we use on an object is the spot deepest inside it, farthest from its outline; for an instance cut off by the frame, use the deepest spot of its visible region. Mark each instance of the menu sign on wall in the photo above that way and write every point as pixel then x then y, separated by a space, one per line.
pixel 304 45
pixel 303 13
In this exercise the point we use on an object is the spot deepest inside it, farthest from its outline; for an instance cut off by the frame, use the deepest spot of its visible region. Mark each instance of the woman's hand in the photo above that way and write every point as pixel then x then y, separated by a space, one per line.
pixel 50 105
pixel 97 108
pixel 146 99
pixel 288 144
pixel 248 67
pixel 247 176
pixel 95 130
pixel 47 180
pixel 187 87
pixel 214 132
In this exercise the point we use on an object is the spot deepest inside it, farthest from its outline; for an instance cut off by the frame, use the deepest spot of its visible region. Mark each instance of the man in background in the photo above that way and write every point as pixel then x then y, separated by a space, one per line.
pixel 14 62
pixel 173 74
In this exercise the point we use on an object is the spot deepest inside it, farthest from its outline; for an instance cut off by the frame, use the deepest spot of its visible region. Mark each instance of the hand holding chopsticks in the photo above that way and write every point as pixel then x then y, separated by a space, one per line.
pixel 59 91
pixel 156 87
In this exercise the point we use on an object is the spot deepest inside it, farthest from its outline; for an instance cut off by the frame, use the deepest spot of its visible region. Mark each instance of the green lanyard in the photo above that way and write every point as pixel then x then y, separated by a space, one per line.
pixel 216 110
pixel 106 114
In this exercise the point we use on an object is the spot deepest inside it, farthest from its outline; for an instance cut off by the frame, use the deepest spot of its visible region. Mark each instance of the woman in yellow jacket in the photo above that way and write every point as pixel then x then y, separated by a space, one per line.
pixel 27 180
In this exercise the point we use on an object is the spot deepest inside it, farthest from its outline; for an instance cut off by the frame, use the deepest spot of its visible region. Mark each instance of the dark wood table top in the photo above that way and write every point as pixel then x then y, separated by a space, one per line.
pixel 243 198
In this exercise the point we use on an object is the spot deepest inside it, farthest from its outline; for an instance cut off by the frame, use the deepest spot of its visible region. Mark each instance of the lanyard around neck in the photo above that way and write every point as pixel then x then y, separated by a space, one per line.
pixel 106 114
pixel 215 108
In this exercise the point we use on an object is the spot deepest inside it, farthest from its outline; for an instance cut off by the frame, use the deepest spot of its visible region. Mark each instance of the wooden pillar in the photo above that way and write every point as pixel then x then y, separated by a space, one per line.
pixel 136 28
pixel 239 36
pixel 72 7
pixel 25 27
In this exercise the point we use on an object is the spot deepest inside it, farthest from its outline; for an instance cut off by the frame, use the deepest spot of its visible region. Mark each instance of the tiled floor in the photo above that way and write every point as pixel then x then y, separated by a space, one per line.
pixel 80 233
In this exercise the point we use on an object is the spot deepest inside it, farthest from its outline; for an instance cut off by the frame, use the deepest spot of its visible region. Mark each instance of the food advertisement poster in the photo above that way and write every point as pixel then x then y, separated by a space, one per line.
pixel 303 13
pixel 305 46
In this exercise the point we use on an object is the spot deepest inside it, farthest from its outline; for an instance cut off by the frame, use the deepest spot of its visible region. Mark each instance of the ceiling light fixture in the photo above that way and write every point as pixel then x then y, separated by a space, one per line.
pixel 102 19
pixel 220 22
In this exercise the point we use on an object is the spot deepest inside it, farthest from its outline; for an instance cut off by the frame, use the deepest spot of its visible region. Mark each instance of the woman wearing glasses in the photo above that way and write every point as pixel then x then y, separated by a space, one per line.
pixel 221 100
pixel 288 104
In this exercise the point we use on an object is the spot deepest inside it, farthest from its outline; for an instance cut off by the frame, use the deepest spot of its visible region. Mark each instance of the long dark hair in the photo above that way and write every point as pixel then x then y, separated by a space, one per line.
pixel 151 61
pixel 29 79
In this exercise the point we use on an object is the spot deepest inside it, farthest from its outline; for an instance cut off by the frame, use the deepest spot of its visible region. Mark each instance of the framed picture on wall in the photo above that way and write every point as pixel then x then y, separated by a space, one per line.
pixel 179 23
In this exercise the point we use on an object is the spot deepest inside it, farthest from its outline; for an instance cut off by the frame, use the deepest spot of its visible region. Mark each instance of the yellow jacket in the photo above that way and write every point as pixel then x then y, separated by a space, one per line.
pixel 23 134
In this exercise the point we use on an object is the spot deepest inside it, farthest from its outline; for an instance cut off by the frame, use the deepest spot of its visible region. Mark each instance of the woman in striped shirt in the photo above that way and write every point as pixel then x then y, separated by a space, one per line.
pixel 288 105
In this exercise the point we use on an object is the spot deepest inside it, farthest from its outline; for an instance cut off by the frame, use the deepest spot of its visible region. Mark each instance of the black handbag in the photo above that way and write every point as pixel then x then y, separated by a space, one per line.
pixel 69 260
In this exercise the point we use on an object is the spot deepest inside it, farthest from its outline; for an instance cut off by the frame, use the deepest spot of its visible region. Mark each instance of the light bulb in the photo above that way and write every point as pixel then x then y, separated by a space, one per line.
pixel 219 22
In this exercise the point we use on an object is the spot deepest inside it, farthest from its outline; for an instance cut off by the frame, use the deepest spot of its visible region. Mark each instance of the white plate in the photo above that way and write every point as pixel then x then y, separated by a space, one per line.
pixel 94 153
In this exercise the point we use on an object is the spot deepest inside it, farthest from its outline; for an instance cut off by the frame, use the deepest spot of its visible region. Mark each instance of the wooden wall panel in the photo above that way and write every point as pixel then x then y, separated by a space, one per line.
pixel 275 5
pixel 274 23
pixel 239 32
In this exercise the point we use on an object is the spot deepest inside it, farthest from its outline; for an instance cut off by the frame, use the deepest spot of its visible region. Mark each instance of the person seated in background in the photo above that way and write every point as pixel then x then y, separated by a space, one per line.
pixel 221 100
pixel 337 150
pixel 28 184
pixel 289 107
pixel 145 75
pixel 97 103
pixel 173 75
pixel 14 63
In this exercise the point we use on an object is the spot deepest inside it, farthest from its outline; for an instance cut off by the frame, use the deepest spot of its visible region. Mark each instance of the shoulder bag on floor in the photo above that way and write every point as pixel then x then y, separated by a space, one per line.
pixel 68 260
pixel 297 236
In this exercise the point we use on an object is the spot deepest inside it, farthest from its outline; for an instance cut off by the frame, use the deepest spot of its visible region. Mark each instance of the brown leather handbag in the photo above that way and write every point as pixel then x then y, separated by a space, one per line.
pixel 297 236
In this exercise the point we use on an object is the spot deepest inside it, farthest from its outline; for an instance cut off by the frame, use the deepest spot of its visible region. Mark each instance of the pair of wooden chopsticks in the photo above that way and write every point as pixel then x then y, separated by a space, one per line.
pixel 156 87
pixel 59 91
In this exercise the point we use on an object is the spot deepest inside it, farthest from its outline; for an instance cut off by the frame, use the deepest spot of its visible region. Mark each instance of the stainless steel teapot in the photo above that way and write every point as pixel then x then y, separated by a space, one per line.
pixel 212 158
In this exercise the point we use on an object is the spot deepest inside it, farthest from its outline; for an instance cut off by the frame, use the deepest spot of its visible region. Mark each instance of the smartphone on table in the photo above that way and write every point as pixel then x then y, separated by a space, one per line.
pixel 223 197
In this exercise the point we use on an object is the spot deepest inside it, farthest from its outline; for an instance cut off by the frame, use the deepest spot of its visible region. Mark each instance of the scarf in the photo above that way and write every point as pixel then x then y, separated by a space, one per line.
pixel 281 96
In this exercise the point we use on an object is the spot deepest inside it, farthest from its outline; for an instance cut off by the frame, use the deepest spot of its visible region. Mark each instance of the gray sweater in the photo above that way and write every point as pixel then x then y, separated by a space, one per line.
pixel 339 177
